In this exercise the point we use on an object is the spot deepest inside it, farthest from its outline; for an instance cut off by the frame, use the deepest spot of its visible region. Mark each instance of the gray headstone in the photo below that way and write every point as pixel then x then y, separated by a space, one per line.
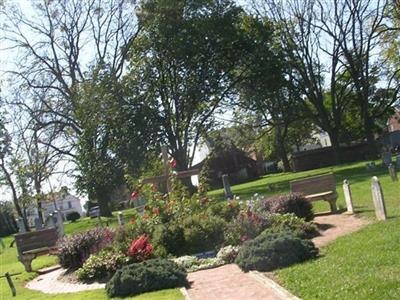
pixel 386 158
pixel 227 187
pixel 398 161
pixel 120 219
pixel 347 196
pixel 21 225
pixel 50 221
pixel 379 201
pixel 59 223
pixel 38 224
pixel 393 172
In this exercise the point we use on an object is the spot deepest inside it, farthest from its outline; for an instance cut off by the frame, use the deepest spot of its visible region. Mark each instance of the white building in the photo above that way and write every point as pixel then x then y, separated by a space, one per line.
pixel 320 140
pixel 65 203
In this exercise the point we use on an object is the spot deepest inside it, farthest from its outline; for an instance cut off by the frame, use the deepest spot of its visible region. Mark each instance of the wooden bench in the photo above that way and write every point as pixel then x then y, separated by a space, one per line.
pixel 32 244
pixel 321 187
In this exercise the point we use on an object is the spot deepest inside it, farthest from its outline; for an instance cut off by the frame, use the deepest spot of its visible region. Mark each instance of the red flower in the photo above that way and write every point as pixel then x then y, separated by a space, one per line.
pixel 173 163
pixel 154 188
pixel 140 248
pixel 156 211
pixel 134 195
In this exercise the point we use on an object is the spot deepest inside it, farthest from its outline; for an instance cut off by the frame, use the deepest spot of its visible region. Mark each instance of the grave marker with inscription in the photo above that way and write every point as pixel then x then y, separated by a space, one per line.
pixel 377 197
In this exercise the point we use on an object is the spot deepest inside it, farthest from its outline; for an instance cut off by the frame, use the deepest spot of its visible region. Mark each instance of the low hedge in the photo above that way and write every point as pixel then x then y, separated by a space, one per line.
pixel 294 203
pixel 274 250
pixel 147 276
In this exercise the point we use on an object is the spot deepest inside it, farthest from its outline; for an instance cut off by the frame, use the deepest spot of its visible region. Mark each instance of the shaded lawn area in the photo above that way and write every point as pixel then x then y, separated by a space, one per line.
pixel 362 265
pixel 9 263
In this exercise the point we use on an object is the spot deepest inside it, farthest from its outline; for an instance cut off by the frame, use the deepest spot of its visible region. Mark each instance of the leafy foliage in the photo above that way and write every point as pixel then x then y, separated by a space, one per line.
pixel 290 222
pixel 73 216
pixel 290 203
pixel 102 265
pixel 225 210
pixel 274 250
pixel 73 251
pixel 150 275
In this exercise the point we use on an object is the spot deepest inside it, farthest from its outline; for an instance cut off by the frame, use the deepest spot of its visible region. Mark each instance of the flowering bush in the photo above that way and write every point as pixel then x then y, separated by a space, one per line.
pixel 290 222
pixel 291 203
pixel 228 254
pixel 102 265
pixel 228 210
pixel 73 251
pixel 246 226
pixel 140 248
pixel 193 264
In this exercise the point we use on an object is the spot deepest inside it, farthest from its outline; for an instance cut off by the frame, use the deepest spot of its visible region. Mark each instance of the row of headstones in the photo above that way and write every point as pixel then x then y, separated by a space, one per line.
pixel 377 197
pixel 53 220
pixel 376 190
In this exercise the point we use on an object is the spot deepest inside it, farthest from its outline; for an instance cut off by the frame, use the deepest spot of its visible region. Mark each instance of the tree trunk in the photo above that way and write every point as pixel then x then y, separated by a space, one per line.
pixel 39 201
pixel 334 137
pixel 15 197
pixel 369 134
pixel 103 201
pixel 182 165
pixel 280 145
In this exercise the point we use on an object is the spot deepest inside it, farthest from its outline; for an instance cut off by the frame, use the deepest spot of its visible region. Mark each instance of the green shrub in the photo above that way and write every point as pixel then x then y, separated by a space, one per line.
pixel 150 275
pixel 291 203
pixel 246 226
pixel 274 250
pixel 73 216
pixel 227 210
pixel 228 254
pixel 102 265
pixel 290 222
pixel 193 234
pixel 73 251
pixel 203 233
pixel 168 238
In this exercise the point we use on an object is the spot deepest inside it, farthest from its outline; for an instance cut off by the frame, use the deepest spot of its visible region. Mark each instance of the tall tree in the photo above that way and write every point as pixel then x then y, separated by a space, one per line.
pixel 182 63
pixel 313 61
pixel 356 28
pixel 7 162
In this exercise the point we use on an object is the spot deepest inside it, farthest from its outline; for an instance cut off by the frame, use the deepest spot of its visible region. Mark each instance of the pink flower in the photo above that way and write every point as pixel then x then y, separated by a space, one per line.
pixel 173 163
pixel 134 195
pixel 156 211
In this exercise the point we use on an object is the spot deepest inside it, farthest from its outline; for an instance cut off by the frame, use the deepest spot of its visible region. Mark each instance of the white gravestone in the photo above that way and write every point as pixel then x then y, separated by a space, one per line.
pixel 393 172
pixel 348 197
pixel 21 225
pixel 227 187
pixel 379 201
pixel 120 219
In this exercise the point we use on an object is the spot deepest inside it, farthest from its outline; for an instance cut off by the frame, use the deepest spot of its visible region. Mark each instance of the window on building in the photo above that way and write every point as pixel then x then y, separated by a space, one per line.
pixel 69 204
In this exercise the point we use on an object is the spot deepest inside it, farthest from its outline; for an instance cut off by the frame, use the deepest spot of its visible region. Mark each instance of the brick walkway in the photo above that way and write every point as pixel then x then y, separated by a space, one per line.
pixel 230 283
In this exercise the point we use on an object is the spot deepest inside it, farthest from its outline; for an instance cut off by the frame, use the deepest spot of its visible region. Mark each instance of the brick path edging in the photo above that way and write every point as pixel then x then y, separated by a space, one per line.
pixel 272 284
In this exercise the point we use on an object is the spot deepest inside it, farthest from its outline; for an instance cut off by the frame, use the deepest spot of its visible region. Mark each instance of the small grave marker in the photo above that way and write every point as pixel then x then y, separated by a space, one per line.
pixel 386 158
pixel 377 196
pixel 21 226
pixel 393 172
pixel 38 224
pixel 348 196
pixel 227 187
pixel 120 218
